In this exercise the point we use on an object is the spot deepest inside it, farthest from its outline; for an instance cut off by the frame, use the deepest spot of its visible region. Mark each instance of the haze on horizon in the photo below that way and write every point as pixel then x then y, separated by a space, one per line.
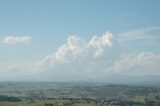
pixel 107 40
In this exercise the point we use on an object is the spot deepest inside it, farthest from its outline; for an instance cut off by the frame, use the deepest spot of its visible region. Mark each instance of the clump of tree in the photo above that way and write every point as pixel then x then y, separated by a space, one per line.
pixel 9 98
pixel 49 104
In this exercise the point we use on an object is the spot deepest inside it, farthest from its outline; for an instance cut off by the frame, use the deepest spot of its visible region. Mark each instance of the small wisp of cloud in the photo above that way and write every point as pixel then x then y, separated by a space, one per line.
pixel 14 40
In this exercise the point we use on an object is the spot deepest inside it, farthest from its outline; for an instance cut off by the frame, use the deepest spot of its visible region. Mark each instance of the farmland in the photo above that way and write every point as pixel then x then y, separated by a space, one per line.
pixel 76 94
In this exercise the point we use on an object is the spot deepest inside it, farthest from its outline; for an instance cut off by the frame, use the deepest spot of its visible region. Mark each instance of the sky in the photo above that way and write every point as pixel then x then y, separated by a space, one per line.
pixel 82 40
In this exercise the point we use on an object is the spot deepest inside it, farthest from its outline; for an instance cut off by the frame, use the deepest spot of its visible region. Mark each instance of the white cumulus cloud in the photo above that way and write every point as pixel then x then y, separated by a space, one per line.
pixel 81 59
pixel 75 57
pixel 101 43
pixel 77 49
pixel 12 40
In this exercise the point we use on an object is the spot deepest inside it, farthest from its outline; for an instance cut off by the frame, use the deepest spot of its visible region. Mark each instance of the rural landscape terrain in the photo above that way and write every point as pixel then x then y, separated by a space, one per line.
pixel 79 52
pixel 77 94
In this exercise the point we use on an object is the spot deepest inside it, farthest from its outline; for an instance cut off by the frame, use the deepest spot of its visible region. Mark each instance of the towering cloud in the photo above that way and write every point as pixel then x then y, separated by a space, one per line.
pixel 101 43
pixel 77 48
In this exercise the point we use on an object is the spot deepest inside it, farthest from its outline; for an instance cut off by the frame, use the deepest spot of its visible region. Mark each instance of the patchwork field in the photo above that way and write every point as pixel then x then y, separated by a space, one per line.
pixel 74 94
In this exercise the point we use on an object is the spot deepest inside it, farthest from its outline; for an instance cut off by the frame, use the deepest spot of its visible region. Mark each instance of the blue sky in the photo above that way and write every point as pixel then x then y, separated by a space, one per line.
pixel 32 30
